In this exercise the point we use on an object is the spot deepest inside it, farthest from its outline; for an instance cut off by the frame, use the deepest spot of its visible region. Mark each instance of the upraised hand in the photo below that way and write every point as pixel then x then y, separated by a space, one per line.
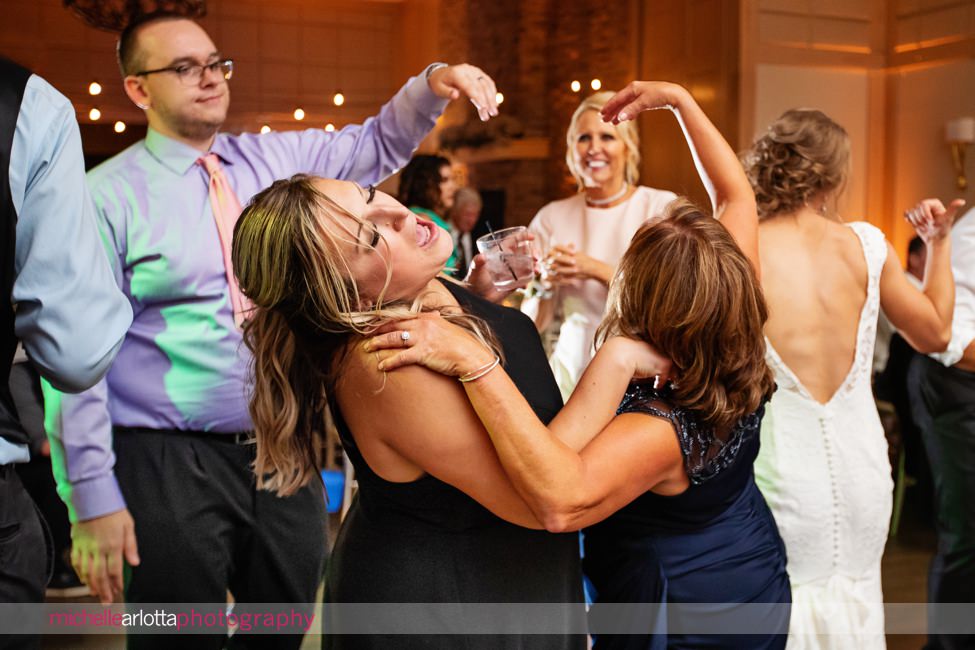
pixel 931 220
pixel 639 96
pixel 452 81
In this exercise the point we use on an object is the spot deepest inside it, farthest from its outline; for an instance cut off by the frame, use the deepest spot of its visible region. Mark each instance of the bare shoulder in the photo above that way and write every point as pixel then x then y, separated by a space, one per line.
pixel 362 381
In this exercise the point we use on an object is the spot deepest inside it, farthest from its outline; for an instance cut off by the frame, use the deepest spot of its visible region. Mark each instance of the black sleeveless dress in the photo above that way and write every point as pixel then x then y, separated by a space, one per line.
pixel 710 556
pixel 427 542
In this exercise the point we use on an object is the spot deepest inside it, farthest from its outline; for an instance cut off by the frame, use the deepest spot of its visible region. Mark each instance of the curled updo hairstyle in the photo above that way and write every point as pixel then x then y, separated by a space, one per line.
pixel 627 132
pixel 802 154
pixel 307 311
pixel 419 182
pixel 685 287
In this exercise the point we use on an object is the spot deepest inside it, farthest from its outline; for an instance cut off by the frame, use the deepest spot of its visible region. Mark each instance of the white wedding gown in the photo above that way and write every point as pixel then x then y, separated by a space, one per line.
pixel 824 471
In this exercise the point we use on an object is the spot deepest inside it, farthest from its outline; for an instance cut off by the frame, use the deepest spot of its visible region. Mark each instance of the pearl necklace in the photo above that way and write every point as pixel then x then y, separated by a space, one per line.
pixel 611 199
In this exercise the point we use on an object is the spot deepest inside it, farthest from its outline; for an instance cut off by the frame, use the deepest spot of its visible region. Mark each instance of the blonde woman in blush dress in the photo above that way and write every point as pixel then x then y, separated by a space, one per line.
pixel 823 465
pixel 584 236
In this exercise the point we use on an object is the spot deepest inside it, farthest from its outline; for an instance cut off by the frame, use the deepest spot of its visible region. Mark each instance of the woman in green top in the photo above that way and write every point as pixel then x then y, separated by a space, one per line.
pixel 427 187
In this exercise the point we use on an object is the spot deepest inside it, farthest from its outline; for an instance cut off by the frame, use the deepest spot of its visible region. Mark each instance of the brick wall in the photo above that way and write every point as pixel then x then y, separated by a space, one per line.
pixel 534 49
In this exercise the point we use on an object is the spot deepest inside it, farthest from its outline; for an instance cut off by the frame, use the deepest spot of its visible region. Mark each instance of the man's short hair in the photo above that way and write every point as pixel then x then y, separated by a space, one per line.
pixel 130 59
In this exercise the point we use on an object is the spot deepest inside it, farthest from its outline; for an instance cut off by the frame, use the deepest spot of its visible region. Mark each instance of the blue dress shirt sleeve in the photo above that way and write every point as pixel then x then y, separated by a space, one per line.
pixel 71 315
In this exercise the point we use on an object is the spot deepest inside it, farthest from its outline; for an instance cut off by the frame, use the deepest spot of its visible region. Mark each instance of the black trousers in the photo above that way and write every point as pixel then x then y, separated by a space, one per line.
pixel 943 401
pixel 25 552
pixel 204 528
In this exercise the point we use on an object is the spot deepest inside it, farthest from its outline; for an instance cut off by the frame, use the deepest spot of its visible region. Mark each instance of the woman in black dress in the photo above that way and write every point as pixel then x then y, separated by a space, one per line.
pixel 665 489
pixel 436 519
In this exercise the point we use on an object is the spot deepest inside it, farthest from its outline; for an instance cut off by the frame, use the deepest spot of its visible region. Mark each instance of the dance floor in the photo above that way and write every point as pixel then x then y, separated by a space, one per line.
pixel 904 571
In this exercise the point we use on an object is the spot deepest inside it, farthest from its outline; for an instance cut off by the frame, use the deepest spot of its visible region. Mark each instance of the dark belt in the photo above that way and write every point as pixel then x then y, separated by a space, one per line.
pixel 230 437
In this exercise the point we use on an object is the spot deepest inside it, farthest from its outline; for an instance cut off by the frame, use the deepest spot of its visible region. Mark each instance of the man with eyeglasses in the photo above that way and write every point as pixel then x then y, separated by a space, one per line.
pixel 174 406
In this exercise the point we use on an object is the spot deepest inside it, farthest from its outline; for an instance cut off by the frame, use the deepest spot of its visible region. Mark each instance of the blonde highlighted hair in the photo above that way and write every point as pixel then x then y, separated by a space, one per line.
pixel 307 310
pixel 627 132
pixel 685 287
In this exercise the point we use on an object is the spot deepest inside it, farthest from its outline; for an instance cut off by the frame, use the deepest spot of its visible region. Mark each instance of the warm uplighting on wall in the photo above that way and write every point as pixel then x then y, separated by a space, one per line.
pixel 959 133
pixel 499 98
pixel 299 114
pixel 120 126
pixel 329 127
pixel 575 86
pixel 595 84
pixel 94 115
pixel 94 88
pixel 338 99
pixel 265 129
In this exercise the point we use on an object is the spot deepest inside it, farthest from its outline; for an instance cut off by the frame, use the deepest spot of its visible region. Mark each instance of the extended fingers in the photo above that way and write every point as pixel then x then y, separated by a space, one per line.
pixel 479 87
pixel 399 338
pixel 398 360
pixel 611 110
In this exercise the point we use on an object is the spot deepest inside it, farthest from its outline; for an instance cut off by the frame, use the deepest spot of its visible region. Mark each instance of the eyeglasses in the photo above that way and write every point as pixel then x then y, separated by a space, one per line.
pixel 191 74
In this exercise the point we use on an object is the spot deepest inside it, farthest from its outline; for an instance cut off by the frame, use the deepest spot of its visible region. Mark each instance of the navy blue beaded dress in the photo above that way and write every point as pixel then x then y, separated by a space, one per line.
pixel 715 543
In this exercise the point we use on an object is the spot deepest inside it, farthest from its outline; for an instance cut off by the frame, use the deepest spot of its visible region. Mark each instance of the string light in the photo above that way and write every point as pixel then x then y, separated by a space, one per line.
pixel 94 88
pixel 119 126
pixel 499 98
pixel 94 115
pixel 575 86
pixel 329 127
pixel 299 114
pixel 596 84
pixel 265 129
pixel 338 99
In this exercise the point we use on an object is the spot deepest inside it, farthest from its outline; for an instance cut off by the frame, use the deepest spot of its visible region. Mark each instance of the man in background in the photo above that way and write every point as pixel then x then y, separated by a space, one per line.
pixel 942 391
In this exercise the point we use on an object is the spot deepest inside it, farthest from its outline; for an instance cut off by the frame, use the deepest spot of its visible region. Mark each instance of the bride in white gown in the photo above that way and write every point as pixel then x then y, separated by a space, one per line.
pixel 823 464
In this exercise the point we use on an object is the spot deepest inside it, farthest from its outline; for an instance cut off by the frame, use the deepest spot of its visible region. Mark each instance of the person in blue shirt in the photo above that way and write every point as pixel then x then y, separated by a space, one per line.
pixel 63 306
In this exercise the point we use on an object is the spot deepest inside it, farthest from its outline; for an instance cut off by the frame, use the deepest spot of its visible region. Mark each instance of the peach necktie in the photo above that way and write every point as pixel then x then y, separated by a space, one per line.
pixel 226 210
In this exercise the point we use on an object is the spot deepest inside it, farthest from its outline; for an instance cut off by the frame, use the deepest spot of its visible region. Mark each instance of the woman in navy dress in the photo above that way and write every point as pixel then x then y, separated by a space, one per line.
pixel 661 479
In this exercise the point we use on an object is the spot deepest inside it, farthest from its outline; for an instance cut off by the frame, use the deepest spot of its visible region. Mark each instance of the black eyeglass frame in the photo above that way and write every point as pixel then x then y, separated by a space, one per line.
pixel 227 64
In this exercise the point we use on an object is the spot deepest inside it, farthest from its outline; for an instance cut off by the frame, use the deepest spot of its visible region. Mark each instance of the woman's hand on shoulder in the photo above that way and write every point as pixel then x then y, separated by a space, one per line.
pixel 430 341
pixel 639 96
pixel 932 220
pixel 641 358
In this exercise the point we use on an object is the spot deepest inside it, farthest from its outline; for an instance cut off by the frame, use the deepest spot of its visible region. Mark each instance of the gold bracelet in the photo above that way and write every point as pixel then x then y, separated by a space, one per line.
pixel 479 372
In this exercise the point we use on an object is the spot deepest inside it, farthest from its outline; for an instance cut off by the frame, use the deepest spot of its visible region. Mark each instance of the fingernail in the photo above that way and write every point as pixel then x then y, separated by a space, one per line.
pixel 622 117
pixel 382 366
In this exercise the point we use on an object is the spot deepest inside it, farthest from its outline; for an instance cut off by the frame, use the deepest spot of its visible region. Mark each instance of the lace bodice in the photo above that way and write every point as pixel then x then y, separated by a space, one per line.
pixel 705 454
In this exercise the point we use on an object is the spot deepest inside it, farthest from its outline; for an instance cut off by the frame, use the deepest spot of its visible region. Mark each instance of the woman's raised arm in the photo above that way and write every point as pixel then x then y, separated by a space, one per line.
pixel 720 170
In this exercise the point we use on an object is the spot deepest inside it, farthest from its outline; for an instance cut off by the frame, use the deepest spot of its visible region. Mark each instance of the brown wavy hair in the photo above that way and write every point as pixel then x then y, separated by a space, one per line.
pixel 307 311
pixel 685 287
pixel 802 154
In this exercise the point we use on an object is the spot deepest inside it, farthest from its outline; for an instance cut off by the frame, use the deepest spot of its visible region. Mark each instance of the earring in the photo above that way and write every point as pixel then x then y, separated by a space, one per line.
pixel 142 106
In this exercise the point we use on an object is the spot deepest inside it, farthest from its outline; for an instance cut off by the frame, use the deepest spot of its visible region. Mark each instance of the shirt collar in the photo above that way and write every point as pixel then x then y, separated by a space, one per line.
pixel 178 156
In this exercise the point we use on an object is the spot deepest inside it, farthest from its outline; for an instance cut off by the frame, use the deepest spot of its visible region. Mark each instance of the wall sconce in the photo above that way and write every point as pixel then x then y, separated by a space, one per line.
pixel 959 133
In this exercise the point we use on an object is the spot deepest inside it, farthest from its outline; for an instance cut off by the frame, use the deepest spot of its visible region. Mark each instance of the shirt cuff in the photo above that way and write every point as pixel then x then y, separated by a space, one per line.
pixel 95 497
pixel 960 340
pixel 424 99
